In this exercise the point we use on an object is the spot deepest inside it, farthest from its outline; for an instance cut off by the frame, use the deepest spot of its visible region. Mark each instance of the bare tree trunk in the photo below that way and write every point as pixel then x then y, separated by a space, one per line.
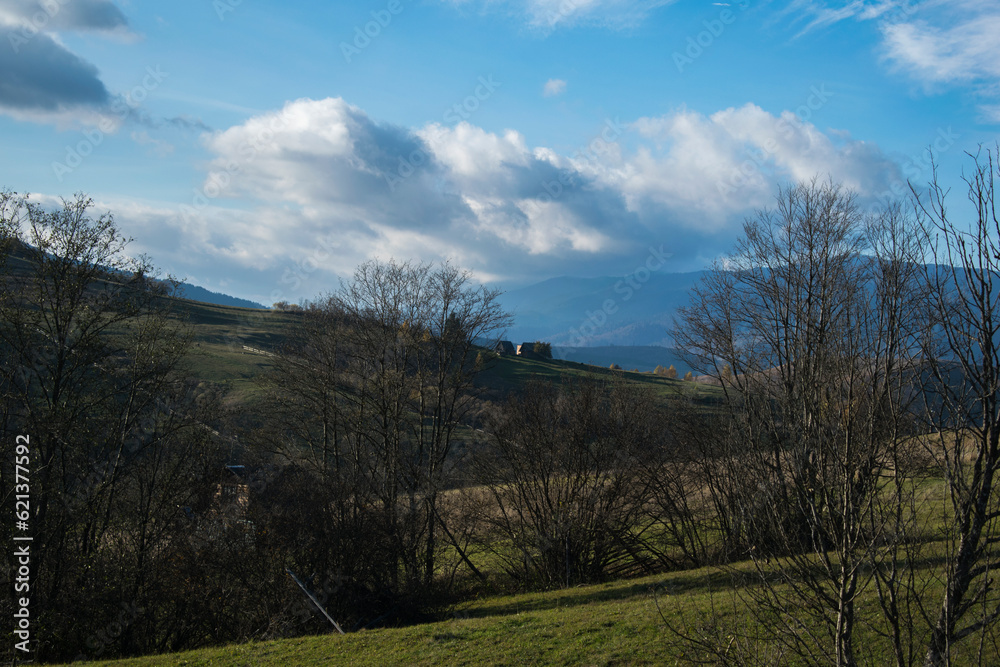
pixel 805 325
pixel 963 401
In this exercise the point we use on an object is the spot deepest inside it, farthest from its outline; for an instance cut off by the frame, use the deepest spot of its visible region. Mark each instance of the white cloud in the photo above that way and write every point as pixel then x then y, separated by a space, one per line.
pixel 821 13
pixel 91 15
pixel 965 50
pixel 953 43
pixel 475 155
pixel 43 80
pixel 707 169
pixel 42 76
pixel 554 87
pixel 306 192
pixel 937 42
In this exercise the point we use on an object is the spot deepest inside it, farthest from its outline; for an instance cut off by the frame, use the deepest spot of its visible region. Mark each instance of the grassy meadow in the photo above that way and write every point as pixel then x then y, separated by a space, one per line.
pixel 620 622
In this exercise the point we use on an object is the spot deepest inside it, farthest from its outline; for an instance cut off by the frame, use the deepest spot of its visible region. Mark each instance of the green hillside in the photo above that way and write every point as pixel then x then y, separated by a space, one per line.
pixel 230 347
pixel 222 334
pixel 606 624
pixel 220 338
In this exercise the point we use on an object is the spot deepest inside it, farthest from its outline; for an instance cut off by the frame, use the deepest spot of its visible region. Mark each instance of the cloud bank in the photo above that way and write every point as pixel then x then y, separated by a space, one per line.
pixel 308 191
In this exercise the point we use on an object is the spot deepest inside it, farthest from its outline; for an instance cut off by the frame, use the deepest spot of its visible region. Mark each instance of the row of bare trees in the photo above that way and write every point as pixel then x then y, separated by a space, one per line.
pixel 858 353
pixel 373 399
pixel 136 545
pixel 91 376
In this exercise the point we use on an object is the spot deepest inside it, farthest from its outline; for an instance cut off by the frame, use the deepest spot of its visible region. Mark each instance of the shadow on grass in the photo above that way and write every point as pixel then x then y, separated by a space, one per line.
pixel 675 583
pixel 704 581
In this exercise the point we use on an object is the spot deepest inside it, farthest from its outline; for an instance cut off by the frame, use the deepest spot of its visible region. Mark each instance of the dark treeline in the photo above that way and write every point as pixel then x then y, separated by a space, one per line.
pixel 857 352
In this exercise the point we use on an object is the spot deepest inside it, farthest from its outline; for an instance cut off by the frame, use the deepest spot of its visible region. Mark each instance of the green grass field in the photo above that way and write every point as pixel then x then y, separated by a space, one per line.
pixel 220 336
pixel 510 372
pixel 614 623
pixel 606 624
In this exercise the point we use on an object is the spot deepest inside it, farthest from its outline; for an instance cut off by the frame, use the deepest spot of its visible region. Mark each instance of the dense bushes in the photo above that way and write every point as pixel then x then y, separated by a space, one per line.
pixel 561 469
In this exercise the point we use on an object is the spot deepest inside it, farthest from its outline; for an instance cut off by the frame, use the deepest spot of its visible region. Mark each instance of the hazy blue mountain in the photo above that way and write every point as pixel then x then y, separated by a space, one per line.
pixel 629 357
pixel 588 312
pixel 195 293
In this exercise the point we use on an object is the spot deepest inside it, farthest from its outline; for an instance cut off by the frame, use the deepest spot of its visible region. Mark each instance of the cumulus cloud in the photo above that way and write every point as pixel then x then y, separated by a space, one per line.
pixel 95 15
pixel 308 191
pixel 704 171
pixel 554 87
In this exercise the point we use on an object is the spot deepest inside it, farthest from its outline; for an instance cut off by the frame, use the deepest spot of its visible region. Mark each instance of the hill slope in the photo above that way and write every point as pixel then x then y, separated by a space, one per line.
pixel 196 293
pixel 603 624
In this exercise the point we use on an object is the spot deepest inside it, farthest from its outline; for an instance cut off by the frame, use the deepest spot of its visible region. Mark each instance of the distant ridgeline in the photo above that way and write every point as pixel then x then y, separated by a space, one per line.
pixel 18 255
pixel 195 293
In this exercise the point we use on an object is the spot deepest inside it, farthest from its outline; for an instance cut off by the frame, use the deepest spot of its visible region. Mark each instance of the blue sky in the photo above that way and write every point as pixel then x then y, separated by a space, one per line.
pixel 264 149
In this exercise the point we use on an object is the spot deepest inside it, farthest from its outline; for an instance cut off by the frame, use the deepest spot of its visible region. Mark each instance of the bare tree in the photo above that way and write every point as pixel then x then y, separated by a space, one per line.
pixel 413 335
pixel 373 398
pixel 561 467
pixel 91 369
pixel 310 424
pixel 962 394
pixel 676 474
pixel 810 339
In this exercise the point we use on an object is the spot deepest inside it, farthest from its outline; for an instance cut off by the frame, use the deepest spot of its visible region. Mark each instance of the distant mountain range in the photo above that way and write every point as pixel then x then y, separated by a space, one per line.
pixel 594 312
pixel 571 312
pixel 604 321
